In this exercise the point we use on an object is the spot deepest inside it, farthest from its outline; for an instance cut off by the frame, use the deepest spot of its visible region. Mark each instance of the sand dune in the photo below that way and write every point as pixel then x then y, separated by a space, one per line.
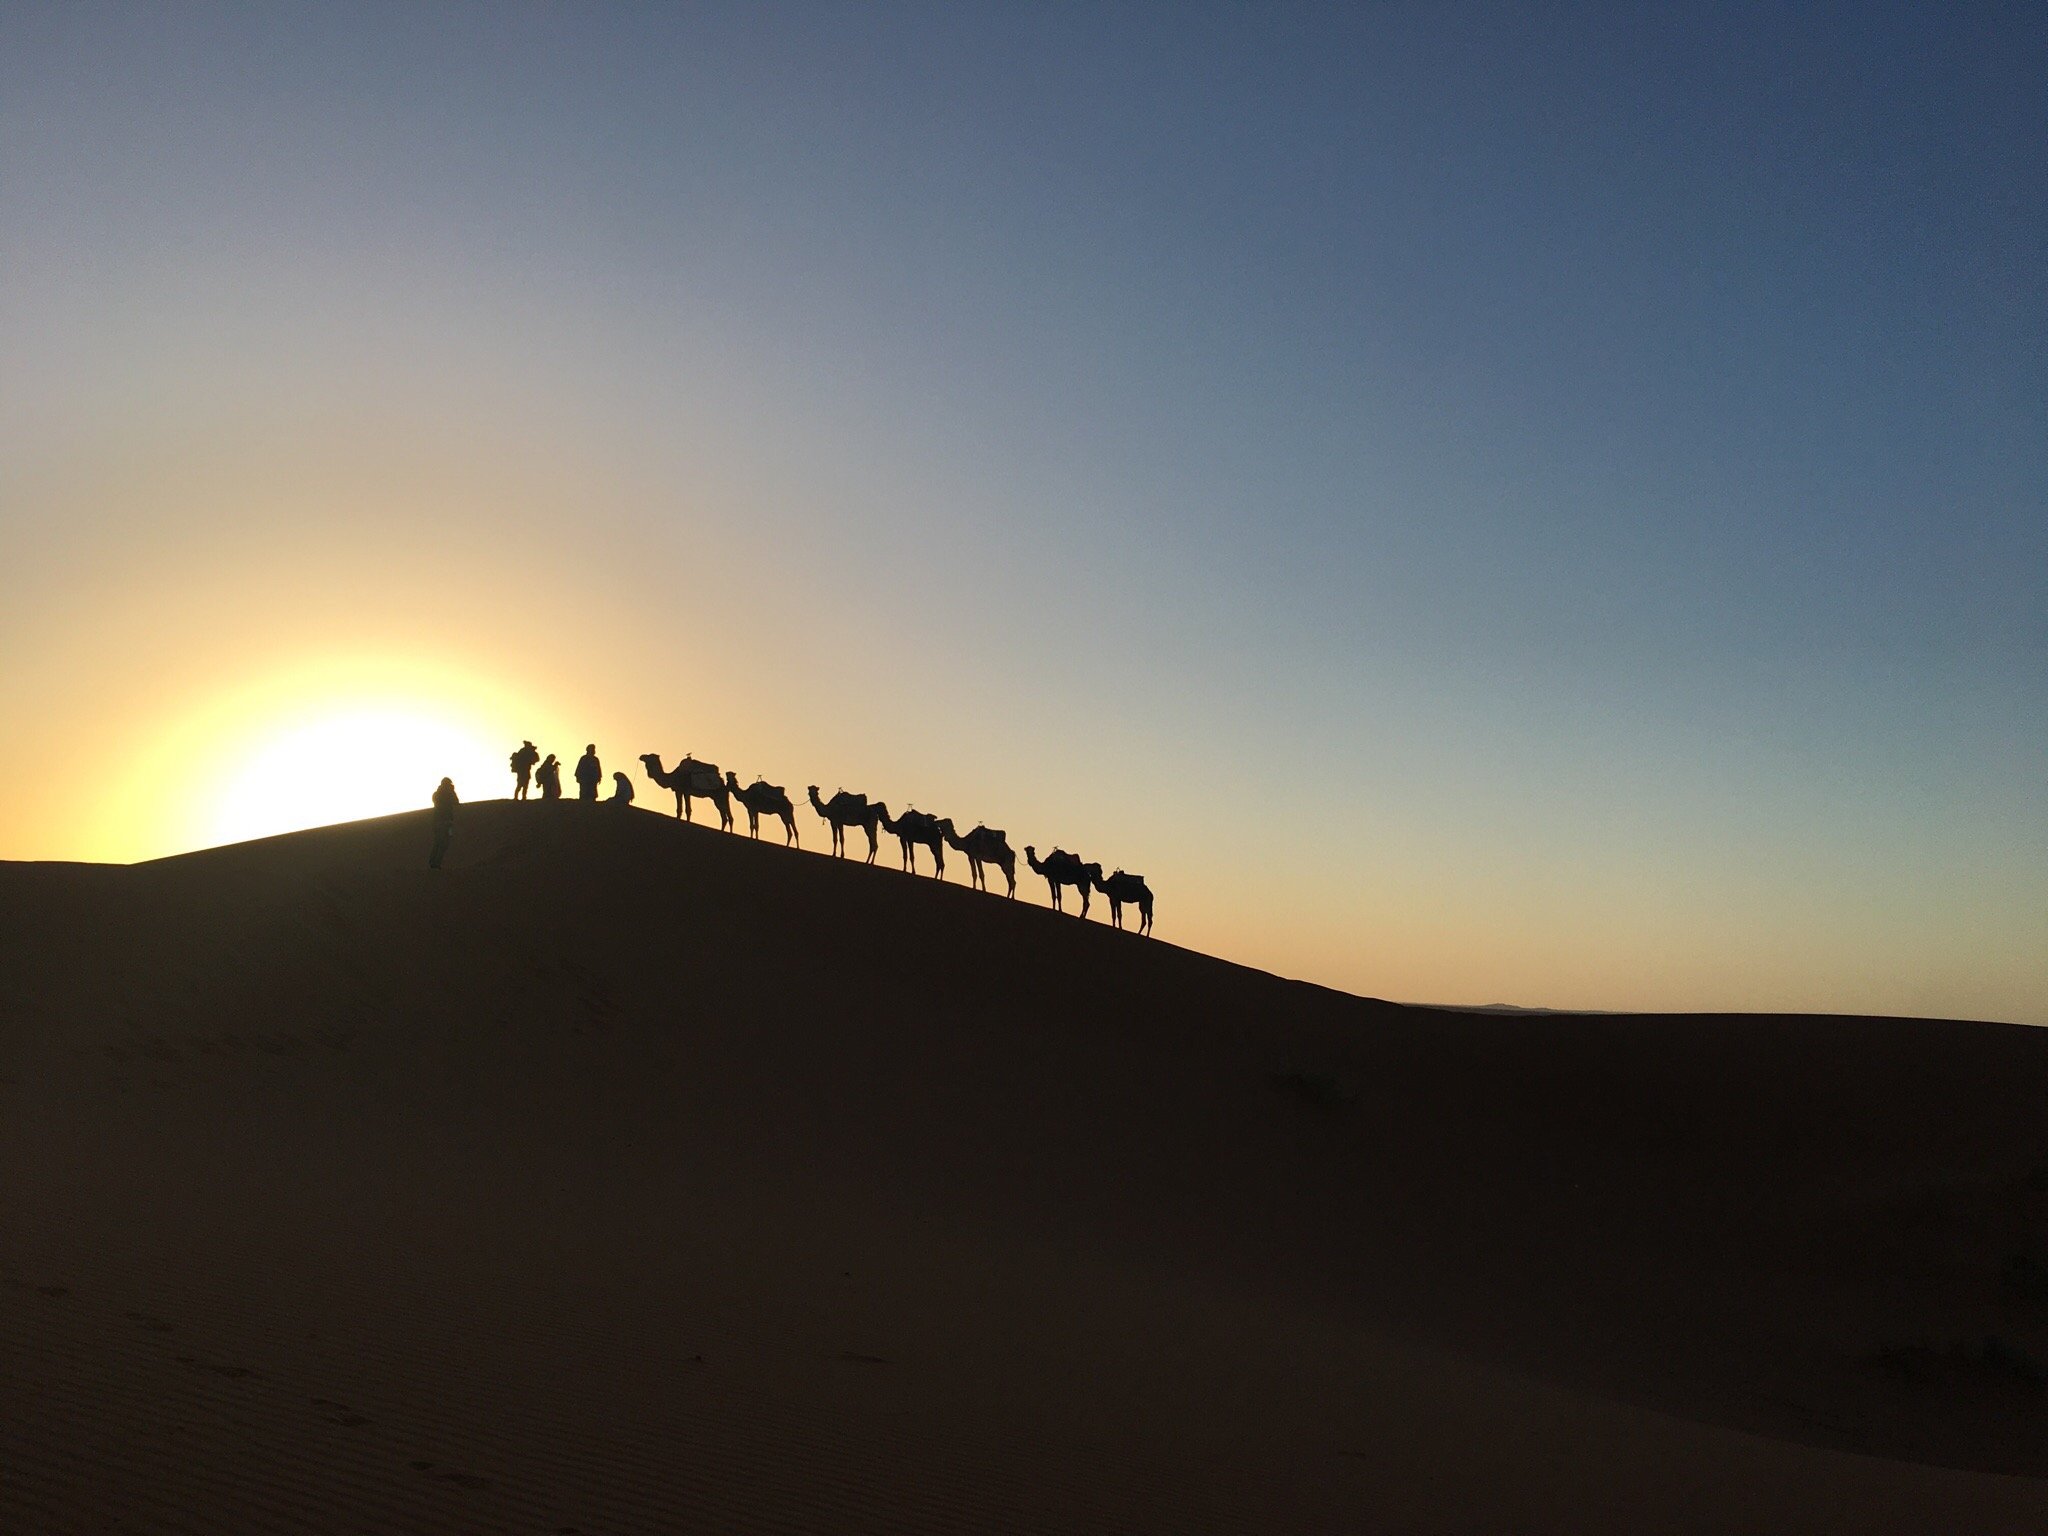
pixel 630 1177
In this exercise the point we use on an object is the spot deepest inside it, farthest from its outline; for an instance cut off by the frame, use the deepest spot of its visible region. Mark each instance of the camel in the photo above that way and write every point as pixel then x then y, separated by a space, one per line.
pixel 691 780
pixel 916 828
pixel 1063 868
pixel 845 810
pixel 984 845
pixel 764 799
pixel 1120 888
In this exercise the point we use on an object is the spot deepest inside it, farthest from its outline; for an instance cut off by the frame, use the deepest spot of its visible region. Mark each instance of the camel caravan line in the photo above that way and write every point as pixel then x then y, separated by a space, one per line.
pixel 984 848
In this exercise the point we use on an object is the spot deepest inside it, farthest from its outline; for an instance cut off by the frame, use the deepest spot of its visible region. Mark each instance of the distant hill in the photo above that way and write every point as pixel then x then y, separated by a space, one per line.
pixel 1515 1008
pixel 628 1176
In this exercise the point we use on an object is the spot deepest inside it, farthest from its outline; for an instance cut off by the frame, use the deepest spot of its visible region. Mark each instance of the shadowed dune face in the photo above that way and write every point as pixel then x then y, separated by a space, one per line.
pixel 624 1173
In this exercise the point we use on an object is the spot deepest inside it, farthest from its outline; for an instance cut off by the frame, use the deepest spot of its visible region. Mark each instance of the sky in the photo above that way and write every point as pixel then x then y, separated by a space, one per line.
pixel 1536 504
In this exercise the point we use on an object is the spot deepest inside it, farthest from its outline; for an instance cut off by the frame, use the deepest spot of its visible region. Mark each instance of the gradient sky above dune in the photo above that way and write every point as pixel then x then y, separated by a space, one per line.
pixel 1544 504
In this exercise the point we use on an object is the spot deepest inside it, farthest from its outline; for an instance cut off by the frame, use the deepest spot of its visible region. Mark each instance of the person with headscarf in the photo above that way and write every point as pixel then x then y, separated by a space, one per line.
pixel 445 802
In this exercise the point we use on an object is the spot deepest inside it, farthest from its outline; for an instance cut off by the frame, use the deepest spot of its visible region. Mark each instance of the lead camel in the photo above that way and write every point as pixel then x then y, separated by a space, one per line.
pixel 691 780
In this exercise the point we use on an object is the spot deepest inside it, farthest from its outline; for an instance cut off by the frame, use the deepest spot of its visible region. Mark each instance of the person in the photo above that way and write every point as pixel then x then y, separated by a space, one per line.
pixel 444 821
pixel 522 766
pixel 589 774
pixel 549 777
pixel 622 790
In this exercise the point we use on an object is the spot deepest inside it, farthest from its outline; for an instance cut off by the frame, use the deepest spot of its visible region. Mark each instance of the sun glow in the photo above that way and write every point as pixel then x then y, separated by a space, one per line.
pixel 344 766
pixel 314 741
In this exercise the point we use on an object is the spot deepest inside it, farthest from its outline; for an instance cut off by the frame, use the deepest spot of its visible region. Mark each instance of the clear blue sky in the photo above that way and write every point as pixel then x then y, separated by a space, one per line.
pixel 1384 469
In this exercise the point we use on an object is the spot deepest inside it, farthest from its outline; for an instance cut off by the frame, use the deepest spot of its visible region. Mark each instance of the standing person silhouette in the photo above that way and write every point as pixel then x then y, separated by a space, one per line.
pixel 522 766
pixel 549 777
pixel 589 774
pixel 444 821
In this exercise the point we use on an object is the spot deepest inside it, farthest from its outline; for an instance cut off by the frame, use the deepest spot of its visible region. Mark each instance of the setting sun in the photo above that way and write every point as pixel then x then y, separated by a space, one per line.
pixel 316 739
pixel 345 766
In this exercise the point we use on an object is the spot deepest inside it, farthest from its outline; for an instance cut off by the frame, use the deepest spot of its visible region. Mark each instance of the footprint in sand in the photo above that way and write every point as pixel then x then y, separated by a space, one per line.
pixel 232 1372
pixel 340 1413
pixel 460 1479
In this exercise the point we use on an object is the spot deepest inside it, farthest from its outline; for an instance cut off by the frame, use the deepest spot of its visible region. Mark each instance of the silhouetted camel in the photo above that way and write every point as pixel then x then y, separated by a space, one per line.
pixel 691 780
pixel 844 810
pixel 764 799
pixel 984 845
pixel 915 829
pixel 1063 868
pixel 1120 888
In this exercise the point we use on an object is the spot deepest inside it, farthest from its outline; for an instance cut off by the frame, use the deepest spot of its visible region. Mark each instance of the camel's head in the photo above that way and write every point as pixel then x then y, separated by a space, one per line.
pixel 651 761
pixel 1094 874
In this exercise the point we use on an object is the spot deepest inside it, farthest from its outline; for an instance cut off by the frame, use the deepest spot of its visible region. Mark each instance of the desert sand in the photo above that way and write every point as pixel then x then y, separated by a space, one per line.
pixel 631 1177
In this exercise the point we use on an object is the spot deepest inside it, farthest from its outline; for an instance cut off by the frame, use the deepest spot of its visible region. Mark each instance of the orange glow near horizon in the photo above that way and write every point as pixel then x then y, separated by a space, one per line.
pixel 309 745
pixel 343 766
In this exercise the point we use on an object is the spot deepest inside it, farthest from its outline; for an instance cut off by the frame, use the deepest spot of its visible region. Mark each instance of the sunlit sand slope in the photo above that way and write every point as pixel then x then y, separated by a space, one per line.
pixel 627 1177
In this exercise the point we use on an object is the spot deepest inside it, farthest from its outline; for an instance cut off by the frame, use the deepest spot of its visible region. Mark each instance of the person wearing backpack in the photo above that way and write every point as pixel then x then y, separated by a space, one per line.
pixel 522 766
